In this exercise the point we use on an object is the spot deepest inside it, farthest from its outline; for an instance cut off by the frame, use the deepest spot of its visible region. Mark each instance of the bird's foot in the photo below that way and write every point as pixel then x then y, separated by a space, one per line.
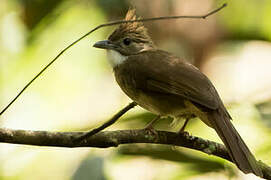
pixel 150 130
pixel 183 133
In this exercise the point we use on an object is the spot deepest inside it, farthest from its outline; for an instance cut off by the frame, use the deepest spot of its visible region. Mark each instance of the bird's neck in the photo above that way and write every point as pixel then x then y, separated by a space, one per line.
pixel 115 58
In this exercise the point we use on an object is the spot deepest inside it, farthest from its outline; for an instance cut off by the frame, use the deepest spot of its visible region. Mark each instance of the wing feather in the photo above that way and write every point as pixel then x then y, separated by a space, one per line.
pixel 165 73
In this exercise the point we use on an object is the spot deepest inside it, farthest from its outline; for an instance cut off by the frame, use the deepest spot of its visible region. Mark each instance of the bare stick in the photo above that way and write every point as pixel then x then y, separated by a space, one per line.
pixel 104 25
pixel 106 124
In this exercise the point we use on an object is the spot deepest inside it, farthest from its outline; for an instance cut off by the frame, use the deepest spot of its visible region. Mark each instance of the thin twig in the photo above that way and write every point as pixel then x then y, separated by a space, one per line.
pixel 107 139
pixel 98 27
pixel 107 123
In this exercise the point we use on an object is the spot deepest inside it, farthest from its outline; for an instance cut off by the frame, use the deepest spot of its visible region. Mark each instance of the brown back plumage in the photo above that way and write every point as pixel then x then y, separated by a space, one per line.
pixel 134 29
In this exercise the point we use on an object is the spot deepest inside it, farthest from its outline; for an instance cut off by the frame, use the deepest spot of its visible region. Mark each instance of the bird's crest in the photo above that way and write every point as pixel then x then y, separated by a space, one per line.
pixel 135 30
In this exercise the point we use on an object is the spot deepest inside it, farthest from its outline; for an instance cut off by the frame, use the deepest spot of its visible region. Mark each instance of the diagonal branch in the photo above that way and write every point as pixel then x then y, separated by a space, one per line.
pixel 107 123
pixel 115 138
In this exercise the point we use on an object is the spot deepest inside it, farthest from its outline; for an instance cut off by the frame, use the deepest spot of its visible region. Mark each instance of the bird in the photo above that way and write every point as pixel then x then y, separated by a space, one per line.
pixel 167 85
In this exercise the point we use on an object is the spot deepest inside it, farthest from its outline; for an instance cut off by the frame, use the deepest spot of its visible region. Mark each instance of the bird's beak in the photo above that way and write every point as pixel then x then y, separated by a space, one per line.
pixel 105 44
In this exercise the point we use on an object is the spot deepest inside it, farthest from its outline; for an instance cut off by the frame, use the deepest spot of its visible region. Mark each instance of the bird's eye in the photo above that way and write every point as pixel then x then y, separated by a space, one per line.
pixel 127 41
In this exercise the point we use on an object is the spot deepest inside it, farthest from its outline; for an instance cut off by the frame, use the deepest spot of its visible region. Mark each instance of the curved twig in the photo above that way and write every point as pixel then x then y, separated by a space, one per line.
pixel 98 27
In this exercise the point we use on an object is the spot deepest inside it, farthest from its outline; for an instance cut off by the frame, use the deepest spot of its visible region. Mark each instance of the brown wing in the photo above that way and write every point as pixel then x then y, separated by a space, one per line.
pixel 161 72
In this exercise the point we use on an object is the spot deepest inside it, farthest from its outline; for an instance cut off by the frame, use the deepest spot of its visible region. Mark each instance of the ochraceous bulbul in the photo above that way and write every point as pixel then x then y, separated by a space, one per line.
pixel 167 85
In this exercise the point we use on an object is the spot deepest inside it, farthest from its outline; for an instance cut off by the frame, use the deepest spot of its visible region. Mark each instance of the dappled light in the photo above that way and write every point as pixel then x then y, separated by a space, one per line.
pixel 79 92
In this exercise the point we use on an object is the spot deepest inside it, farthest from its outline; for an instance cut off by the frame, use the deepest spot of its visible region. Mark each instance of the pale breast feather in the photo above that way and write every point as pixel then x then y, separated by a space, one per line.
pixel 115 58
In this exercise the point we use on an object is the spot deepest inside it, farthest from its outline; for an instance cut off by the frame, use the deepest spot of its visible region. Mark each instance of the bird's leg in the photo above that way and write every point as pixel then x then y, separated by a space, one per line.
pixel 149 126
pixel 181 131
pixel 187 118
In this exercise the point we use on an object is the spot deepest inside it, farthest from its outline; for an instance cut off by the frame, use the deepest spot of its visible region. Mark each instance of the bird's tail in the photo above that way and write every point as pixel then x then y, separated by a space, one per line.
pixel 237 148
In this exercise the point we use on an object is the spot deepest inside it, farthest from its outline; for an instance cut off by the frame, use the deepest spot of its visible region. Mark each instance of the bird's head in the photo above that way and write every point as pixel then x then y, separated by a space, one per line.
pixel 128 39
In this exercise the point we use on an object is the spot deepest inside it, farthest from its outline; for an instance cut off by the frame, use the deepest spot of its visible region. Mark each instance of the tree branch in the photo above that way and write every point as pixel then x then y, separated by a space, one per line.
pixel 115 138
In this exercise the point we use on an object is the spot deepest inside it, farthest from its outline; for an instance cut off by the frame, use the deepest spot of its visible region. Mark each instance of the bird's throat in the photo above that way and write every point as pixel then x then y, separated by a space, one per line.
pixel 115 58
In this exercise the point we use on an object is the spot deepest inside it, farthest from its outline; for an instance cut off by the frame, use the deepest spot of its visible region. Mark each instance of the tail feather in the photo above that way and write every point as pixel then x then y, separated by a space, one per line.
pixel 237 148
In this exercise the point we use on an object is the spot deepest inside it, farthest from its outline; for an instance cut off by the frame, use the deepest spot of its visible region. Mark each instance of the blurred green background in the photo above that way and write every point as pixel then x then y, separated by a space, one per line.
pixel 79 91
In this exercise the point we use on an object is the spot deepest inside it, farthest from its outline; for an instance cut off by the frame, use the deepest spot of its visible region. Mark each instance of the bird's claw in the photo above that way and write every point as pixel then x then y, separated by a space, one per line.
pixel 183 133
pixel 149 128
